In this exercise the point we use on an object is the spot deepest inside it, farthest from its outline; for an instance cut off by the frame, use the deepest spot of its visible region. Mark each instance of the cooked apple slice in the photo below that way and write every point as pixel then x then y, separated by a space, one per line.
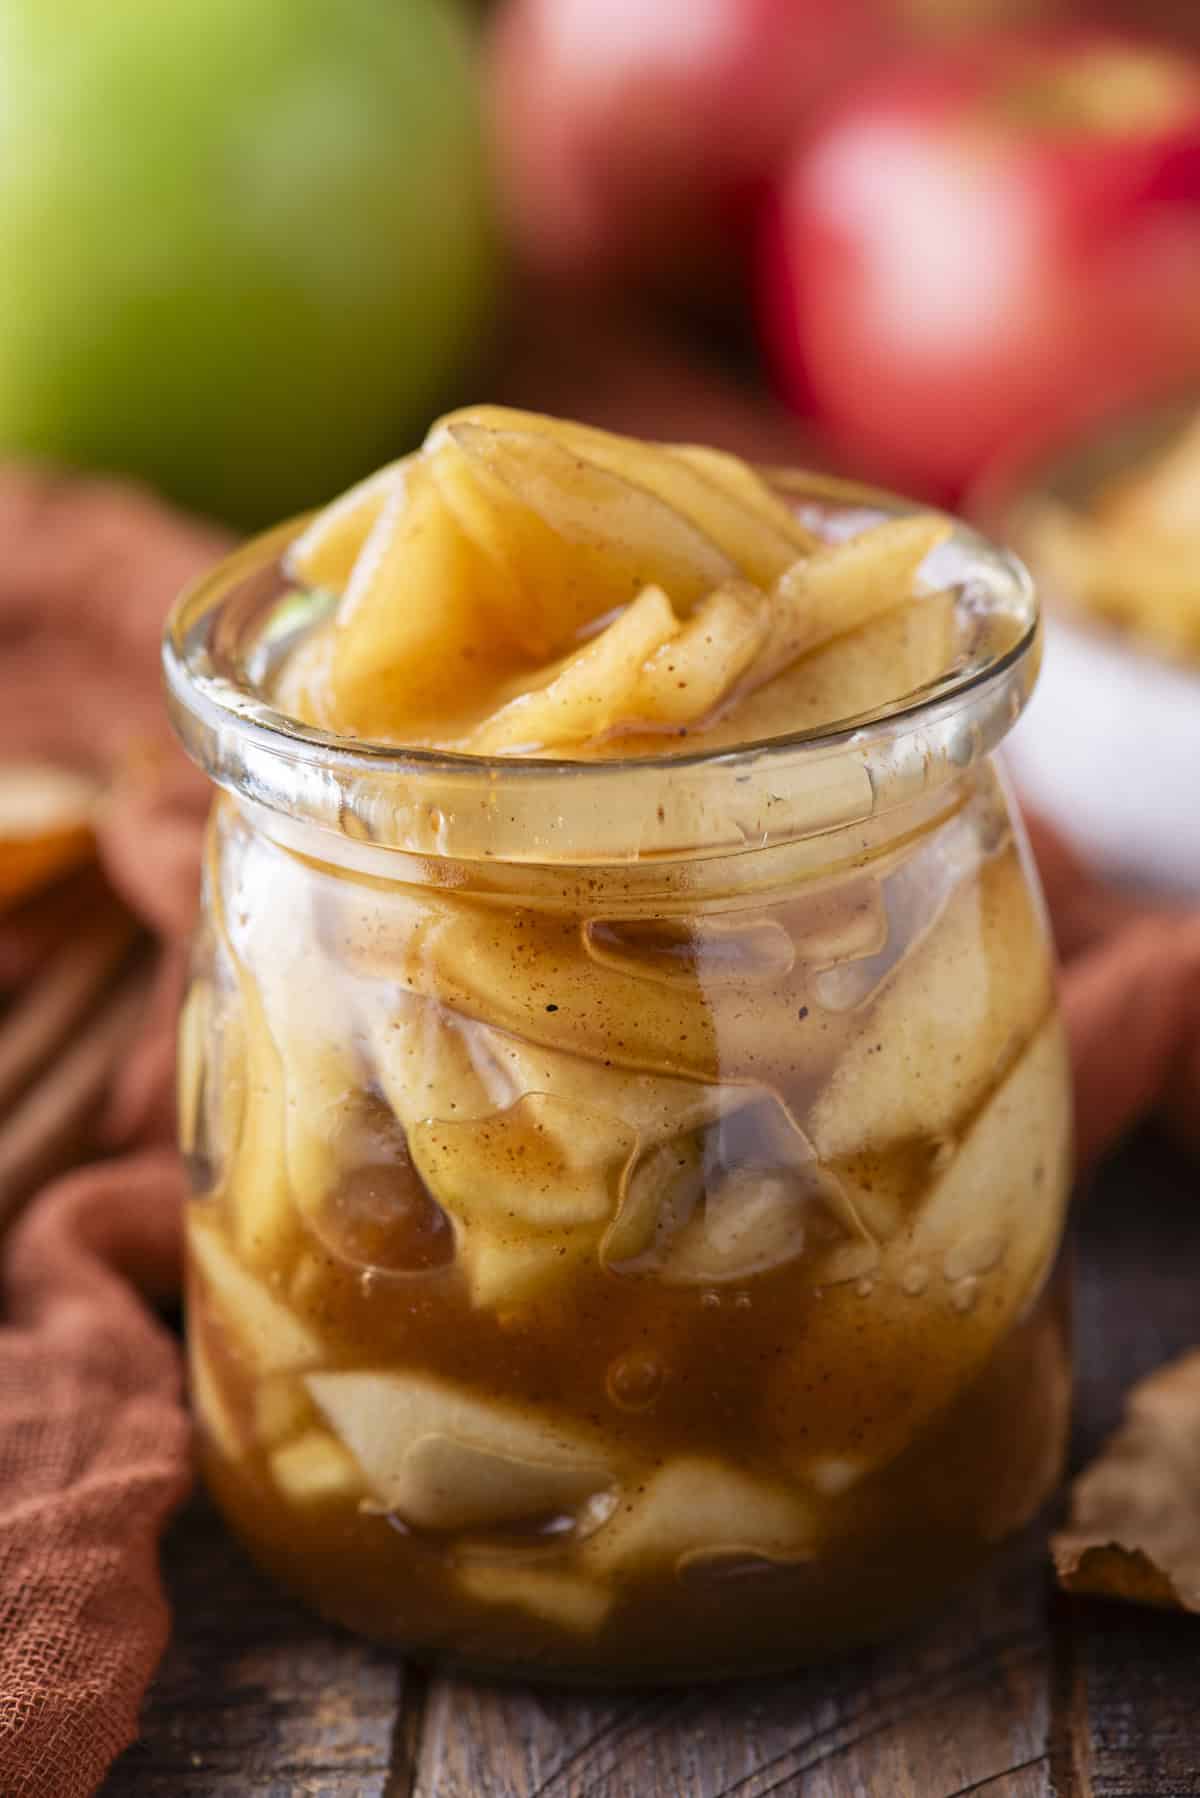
pixel 405 656
pixel 281 1409
pixel 725 497
pixel 444 1459
pixel 428 1060
pixel 845 585
pixel 530 1190
pixel 695 1503
pixel 734 1200
pixel 590 693
pixel 315 1469
pixel 432 1063
pixel 782 537
pixel 995 1215
pixel 261 1199
pixel 270 1338
pixel 882 662
pixel 644 671
pixel 212 1409
pixel 951 1012
pixel 754 1221
pixel 304 1074
pixel 566 1600
pixel 964 1265
pixel 1162 498
pixel 190 1062
pixel 619 533
pixel 527 972
pixel 690 677
pixel 324 554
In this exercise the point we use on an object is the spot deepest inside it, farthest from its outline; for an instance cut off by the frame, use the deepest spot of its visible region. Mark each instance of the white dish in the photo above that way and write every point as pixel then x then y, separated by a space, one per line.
pixel 1109 750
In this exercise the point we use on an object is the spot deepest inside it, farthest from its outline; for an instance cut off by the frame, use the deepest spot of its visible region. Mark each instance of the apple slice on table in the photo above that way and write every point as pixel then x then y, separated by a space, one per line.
pixel 45 825
pixel 984 239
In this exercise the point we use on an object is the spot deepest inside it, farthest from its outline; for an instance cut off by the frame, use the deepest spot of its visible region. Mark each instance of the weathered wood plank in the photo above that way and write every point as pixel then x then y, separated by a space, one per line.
pixel 1138 1304
pixel 961 1704
pixel 254 1695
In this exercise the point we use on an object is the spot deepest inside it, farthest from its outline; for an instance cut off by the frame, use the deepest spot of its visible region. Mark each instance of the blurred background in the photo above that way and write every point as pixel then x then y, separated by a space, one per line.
pixel 249 248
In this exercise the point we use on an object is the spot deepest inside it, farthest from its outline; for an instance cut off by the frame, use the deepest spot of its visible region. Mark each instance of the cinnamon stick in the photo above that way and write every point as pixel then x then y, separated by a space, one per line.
pixel 42 1133
pixel 49 1011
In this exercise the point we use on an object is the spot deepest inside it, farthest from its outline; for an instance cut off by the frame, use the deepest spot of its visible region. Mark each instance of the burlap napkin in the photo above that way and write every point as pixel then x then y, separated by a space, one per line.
pixel 93 1434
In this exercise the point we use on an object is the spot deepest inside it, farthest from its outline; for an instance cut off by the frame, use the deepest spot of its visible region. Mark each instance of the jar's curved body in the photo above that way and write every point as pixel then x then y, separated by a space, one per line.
pixel 628 1272
pixel 627 1197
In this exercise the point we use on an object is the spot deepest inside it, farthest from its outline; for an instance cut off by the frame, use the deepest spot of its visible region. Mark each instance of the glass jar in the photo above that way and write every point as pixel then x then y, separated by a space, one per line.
pixel 627 1194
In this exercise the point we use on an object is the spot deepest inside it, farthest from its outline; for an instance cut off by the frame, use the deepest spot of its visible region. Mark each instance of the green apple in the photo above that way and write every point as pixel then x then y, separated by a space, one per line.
pixel 244 244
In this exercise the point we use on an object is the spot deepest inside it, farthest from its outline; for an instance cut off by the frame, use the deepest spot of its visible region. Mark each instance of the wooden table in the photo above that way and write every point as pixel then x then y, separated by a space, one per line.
pixel 1015 1691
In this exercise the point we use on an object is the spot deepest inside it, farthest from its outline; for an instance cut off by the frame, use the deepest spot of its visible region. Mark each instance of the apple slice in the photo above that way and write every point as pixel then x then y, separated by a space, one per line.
pixel 590 693
pixel 314 1470
pixel 281 1409
pixel 566 1600
pixel 884 661
pixel 735 1200
pixel 325 553
pixel 267 1335
pixel 1000 1202
pixel 689 678
pixel 429 1061
pixel 845 585
pixel 191 1058
pixel 617 531
pixel 443 1458
pixel 693 1504
pixel 952 1010
pixel 726 498
pixel 399 666
pixel 785 537
pixel 528 973
pixel 971 1253
pixel 530 1190
pixel 45 825
pixel 210 1407
pixel 260 1197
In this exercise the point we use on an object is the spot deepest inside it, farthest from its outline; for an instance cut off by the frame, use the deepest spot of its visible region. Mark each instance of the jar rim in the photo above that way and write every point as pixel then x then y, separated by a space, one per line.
pixel 694 804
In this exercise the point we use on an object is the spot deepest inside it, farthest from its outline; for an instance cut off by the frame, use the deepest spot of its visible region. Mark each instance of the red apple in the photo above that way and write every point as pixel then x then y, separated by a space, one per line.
pixel 985 239
pixel 630 135
pixel 626 131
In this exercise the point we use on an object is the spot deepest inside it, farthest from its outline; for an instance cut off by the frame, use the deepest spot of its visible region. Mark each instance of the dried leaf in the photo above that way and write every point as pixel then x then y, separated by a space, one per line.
pixel 1134 1528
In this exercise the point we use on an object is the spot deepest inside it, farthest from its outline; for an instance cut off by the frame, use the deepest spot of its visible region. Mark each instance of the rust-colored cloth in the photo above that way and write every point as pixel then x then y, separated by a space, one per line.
pixel 93 1436
pixel 94 1439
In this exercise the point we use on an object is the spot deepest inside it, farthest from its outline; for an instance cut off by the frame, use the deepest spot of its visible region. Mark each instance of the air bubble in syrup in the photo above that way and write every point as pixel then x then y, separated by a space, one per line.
pixel 964 1294
pixel 634 1381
